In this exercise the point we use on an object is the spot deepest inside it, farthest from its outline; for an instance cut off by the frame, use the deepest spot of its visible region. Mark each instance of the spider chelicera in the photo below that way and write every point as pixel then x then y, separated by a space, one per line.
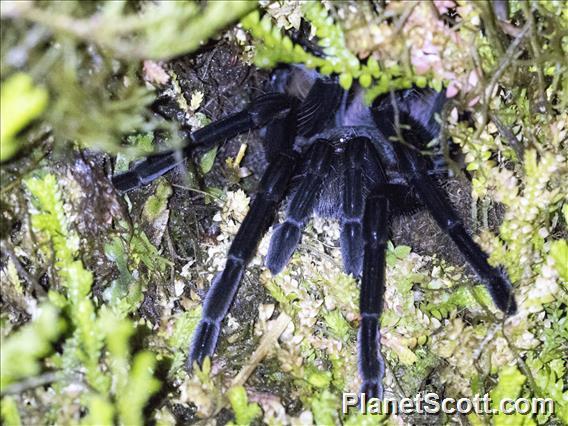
pixel 330 154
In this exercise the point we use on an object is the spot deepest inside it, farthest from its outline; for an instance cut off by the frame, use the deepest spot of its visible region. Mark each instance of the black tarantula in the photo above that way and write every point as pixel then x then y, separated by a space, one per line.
pixel 330 154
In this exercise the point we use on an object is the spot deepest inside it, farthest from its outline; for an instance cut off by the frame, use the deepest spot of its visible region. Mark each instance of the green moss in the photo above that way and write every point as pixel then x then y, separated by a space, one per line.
pixel 509 386
pixel 245 412
pixel 140 385
pixel 338 325
pixel 21 102
pixel 559 252
pixel 23 350
pixel 273 48
pixel 97 97
pixel 324 407
pixel 92 329
pixel 178 342
pixel 9 412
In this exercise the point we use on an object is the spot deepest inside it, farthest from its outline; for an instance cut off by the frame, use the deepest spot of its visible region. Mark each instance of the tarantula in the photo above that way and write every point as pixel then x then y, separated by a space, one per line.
pixel 330 154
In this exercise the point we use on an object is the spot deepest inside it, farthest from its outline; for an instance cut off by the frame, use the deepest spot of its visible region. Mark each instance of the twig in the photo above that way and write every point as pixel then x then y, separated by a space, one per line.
pixel 397 385
pixel 489 21
pixel 404 17
pixel 198 191
pixel 509 135
pixel 536 53
pixel 508 58
pixel 525 369
pixel 32 382
pixel 275 329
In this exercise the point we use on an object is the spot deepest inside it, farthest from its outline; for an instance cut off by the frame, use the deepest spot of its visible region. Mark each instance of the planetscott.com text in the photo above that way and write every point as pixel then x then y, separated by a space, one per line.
pixel 432 403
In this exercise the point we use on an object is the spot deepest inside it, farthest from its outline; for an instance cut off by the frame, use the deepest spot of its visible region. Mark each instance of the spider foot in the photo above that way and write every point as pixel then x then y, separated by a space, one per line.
pixel 204 342
pixel 283 243
pixel 501 291
pixel 352 248
pixel 372 389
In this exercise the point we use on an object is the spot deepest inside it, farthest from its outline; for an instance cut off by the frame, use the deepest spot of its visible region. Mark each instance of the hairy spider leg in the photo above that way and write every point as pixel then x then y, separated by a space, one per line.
pixel 287 235
pixel 319 106
pixel 371 363
pixel 351 237
pixel 272 188
pixel 260 112
pixel 415 167
pixel 375 234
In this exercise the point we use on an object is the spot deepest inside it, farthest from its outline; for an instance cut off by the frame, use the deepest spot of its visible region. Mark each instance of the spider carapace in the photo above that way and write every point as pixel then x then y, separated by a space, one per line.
pixel 332 155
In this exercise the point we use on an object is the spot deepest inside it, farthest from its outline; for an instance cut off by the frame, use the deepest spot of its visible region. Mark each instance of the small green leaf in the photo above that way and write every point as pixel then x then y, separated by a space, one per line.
pixel 559 252
pixel 365 80
pixel 216 193
pixel 402 252
pixel 345 80
pixel 436 85
pixel 207 160
pixel 266 23
pixel 421 81
pixel 251 19
pixel 326 69
pixel 101 411
pixel 287 44
pixel 405 354
pixel 338 324
pixel 319 379
pixel 373 67
pixel 156 204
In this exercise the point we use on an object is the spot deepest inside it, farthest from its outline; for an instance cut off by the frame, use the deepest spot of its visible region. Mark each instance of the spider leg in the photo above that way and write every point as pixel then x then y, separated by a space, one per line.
pixel 495 279
pixel 224 287
pixel 259 113
pixel 352 207
pixel 375 232
pixel 375 235
pixel 287 235
pixel 417 109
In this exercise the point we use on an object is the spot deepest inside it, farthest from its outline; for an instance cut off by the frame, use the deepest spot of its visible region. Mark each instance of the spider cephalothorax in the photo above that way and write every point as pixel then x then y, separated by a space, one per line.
pixel 330 154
